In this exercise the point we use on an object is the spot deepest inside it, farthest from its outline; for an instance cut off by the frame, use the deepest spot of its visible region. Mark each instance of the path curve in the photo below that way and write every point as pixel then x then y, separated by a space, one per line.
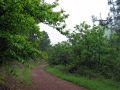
pixel 45 81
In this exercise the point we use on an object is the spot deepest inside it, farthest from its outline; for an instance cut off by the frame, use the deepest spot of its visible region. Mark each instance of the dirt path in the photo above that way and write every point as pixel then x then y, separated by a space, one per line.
pixel 45 81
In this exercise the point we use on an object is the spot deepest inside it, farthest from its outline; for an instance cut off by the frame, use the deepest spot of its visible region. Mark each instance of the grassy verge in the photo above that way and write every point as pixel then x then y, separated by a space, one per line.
pixel 91 84
pixel 24 75
pixel 20 71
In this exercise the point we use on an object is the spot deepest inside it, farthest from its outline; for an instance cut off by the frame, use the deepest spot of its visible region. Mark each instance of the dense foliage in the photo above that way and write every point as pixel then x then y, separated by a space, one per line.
pixel 89 52
pixel 114 15
pixel 20 36
pixel 45 42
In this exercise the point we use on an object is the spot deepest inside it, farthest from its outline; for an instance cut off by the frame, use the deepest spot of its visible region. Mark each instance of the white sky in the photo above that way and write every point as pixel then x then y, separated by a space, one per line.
pixel 79 11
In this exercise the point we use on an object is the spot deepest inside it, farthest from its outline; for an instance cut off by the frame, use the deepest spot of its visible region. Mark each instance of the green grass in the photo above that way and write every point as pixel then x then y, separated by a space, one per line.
pixel 24 74
pixel 90 84
pixel 2 78
pixel 21 71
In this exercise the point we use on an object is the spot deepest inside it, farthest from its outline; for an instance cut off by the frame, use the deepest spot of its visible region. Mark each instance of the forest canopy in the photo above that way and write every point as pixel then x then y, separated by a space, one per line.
pixel 20 35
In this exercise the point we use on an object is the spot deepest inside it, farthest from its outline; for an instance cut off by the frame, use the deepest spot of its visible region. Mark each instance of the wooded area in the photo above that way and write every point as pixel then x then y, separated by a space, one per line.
pixel 89 51
pixel 20 36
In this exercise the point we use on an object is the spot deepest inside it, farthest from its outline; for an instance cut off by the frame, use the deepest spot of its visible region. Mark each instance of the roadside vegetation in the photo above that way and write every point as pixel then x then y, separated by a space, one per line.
pixel 89 83
pixel 89 54
pixel 21 39
pixel 17 75
pixel 90 57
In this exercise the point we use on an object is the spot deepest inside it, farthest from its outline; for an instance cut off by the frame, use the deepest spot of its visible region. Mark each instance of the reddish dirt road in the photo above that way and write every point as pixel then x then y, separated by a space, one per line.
pixel 45 81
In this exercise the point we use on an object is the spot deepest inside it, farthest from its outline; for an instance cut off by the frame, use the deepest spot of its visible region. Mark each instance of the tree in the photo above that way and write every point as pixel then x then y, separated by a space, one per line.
pixel 88 52
pixel 115 16
pixel 19 34
pixel 113 19
pixel 60 54
pixel 45 43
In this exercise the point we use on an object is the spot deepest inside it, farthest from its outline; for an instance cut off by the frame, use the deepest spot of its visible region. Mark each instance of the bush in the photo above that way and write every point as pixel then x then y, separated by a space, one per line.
pixel 89 52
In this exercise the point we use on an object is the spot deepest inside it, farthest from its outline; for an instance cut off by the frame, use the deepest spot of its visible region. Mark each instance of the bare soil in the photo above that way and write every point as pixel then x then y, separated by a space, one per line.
pixel 45 81
pixel 41 80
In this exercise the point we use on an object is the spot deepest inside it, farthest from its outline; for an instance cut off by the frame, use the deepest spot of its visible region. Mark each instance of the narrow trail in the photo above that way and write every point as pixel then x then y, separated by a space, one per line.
pixel 45 81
